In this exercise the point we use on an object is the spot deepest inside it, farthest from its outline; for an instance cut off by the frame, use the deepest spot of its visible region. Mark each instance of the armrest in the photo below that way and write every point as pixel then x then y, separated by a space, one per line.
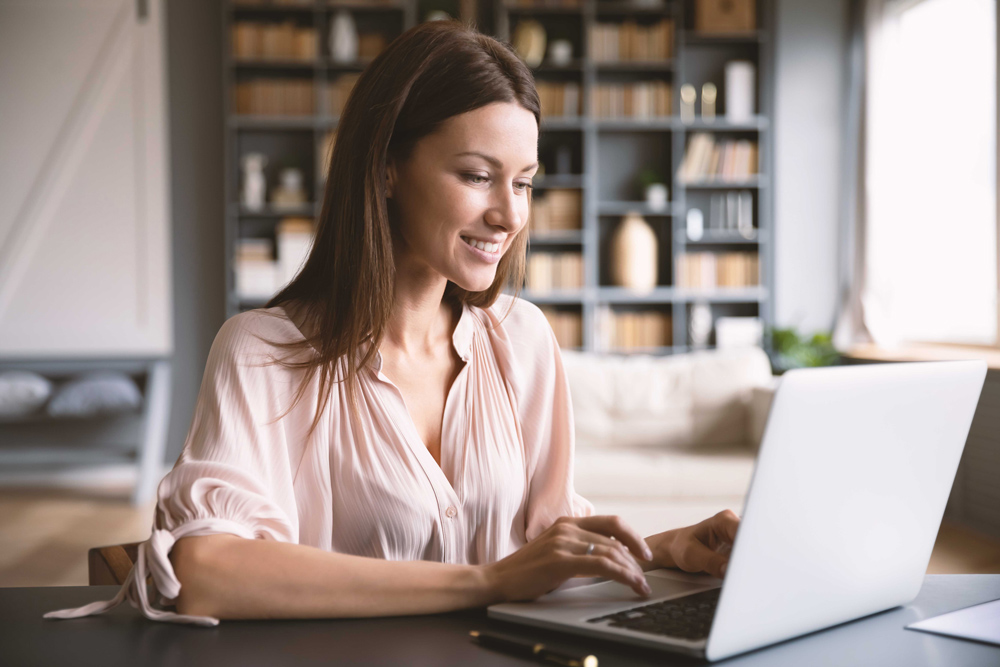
pixel 758 408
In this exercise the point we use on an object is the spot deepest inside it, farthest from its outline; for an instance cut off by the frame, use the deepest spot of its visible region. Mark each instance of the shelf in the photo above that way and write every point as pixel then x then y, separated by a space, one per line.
pixel 623 207
pixel 635 66
pixel 271 212
pixel 253 122
pixel 662 124
pixel 562 123
pixel 692 38
pixel 41 416
pixel 667 294
pixel 722 184
pixel 558 181
pixel 720 124
pixel 275 64
pixel 572 236
pixel 721 295
pixel 720 237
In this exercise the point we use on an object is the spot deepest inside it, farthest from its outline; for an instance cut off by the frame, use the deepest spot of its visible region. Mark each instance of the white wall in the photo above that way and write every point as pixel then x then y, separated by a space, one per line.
pixel 810 80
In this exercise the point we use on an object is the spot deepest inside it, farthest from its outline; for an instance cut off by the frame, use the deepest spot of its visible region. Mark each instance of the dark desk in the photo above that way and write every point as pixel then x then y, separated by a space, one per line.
pixel 123 637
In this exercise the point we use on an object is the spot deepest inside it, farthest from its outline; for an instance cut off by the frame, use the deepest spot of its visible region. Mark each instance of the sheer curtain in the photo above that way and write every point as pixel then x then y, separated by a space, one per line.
pixel 919 245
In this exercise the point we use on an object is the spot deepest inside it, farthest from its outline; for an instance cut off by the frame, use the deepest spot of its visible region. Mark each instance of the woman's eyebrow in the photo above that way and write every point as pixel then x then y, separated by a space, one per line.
pixel 492 160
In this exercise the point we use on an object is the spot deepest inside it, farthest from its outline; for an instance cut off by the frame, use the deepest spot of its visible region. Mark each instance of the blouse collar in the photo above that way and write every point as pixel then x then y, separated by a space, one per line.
pixel 461 339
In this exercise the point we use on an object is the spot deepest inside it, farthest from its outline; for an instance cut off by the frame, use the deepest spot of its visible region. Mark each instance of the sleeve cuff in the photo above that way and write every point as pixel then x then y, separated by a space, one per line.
pixel 153 558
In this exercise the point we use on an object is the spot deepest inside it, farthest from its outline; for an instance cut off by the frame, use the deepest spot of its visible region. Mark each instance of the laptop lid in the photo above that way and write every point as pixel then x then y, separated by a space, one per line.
pixel 850 485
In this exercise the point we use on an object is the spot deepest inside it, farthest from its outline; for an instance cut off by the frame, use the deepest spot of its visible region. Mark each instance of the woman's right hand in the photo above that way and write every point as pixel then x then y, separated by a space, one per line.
pixel 558 554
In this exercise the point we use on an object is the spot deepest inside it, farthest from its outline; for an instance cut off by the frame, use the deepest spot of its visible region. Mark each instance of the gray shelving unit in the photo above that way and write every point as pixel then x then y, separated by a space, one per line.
pixel 608 152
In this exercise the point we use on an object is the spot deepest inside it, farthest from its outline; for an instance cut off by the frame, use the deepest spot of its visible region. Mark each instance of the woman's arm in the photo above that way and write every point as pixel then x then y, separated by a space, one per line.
pixel 225 576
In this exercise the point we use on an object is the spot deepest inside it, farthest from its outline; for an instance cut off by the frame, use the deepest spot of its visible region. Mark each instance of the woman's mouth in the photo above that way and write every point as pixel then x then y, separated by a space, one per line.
pixel 488 252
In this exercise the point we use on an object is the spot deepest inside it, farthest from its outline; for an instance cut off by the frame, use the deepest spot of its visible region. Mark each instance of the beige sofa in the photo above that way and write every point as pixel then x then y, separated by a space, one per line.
pixel 667 441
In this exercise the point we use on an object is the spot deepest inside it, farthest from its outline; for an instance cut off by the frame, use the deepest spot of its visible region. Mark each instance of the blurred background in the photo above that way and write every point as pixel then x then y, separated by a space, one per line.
pixel 728 189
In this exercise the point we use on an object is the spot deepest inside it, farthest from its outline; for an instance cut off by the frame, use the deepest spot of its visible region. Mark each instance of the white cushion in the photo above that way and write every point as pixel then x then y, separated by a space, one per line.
pixel 22 392
pixel 95 393
pixel 647 473
pixel 690 400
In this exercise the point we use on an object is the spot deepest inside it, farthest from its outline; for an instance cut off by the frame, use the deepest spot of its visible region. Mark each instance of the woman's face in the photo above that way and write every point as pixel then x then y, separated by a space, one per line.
pixel 468 183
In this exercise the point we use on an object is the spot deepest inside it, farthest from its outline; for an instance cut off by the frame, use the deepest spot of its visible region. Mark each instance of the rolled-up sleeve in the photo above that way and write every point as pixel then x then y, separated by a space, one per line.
pixel 234 474
pixel 546 422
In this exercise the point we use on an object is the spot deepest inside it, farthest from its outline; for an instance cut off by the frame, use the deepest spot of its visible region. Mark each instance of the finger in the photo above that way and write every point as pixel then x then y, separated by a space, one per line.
pixel 726 524
pixel 612 549
pixel 615 526
pixel 604 566
pixel 696 557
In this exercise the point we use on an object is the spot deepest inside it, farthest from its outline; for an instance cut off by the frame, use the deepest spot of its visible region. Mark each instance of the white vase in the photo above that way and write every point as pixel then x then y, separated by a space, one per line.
pixel 634 254
pixel 700 324
pixel 343 38
pixel 656 197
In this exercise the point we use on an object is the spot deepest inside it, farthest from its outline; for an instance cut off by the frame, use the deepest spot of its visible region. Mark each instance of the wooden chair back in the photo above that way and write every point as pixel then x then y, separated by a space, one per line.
pixel 109 566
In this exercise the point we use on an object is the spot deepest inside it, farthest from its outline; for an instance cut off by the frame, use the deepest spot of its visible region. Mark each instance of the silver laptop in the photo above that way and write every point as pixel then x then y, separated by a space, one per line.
pixel 847 495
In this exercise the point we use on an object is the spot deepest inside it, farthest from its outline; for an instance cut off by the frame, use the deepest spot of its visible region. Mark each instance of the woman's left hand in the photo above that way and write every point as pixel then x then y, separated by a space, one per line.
pixel 703 547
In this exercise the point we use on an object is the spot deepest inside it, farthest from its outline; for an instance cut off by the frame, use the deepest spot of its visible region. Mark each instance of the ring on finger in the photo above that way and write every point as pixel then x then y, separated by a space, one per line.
pixel 590 549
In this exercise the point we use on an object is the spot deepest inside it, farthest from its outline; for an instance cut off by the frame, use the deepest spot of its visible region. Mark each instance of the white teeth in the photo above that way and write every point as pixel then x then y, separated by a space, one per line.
pixel 482 245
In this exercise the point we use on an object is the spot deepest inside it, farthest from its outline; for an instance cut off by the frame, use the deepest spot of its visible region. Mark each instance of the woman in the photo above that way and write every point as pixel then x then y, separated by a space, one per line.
pixel 412 450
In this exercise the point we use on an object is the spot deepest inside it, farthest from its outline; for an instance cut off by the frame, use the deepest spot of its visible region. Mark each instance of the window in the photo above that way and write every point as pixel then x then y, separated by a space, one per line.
pixel 931 233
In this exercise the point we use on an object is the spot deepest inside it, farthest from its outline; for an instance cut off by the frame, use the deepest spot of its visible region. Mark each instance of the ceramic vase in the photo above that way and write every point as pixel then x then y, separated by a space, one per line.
pixel 634 254
pixel 343 38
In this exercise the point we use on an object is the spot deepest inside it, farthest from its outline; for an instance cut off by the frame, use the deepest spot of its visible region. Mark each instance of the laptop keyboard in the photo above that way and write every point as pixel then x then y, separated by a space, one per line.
pixel 688 617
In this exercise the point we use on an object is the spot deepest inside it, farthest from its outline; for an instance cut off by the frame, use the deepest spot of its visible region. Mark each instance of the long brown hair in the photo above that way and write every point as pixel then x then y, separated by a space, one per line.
pixel 430 73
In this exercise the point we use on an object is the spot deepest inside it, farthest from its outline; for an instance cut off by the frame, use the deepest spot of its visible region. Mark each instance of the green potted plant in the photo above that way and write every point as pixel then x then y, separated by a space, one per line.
pixel 792 350
pixel 654 187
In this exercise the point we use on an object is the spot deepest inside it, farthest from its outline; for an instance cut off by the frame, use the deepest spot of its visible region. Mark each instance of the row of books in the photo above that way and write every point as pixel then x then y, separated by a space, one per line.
pixel 285 97
pixel 253 40
pixel 547 271
pixel 644 99
pixel 566 325
pixel 339 90
pixel 628 41
pixel 709 159
pixel 558 98
pixel 631 329
pixel 556 210
pixel 707 270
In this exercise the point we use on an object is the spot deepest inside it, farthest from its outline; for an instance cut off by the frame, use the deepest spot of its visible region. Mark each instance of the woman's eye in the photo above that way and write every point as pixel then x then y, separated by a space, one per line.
pixel 524 187
pixel 473 177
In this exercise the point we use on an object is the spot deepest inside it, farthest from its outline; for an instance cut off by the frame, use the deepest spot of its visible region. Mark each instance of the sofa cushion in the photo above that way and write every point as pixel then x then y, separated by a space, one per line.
pixel 647 473
pixel 690 400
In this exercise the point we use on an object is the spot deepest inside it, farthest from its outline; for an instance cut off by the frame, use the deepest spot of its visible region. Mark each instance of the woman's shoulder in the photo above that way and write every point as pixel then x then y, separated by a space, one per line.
pixel 255 334
pixel 520 318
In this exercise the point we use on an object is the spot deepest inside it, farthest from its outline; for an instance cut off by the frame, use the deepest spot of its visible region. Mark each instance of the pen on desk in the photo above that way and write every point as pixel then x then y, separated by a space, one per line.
pixel 532 650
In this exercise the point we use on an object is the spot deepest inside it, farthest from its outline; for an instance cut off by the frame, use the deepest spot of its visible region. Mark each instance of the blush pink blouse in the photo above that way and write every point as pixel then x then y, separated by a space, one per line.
pixel 368 486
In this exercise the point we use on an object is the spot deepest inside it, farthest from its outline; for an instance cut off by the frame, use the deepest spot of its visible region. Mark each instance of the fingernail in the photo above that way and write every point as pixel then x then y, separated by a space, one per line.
pixel 649 554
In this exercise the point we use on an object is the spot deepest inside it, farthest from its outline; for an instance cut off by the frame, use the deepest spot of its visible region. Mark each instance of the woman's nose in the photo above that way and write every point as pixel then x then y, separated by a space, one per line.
pixel 506 209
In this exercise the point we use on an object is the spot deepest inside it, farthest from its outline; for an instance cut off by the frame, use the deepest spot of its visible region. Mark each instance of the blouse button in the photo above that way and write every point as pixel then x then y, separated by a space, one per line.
pixel 451 512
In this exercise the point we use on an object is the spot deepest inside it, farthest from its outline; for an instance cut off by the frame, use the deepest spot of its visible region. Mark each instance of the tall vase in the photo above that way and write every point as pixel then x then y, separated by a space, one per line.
pixel 343 38
pixel 634 254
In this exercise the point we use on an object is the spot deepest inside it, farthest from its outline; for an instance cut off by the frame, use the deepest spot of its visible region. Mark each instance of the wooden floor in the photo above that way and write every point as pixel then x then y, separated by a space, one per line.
pixel 45 534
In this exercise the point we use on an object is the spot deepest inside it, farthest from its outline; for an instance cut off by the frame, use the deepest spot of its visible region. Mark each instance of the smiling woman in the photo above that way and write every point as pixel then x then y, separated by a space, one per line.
pixel 412 449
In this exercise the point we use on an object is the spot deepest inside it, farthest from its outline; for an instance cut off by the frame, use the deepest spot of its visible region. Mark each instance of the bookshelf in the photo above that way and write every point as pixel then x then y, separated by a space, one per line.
pixel 590 155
